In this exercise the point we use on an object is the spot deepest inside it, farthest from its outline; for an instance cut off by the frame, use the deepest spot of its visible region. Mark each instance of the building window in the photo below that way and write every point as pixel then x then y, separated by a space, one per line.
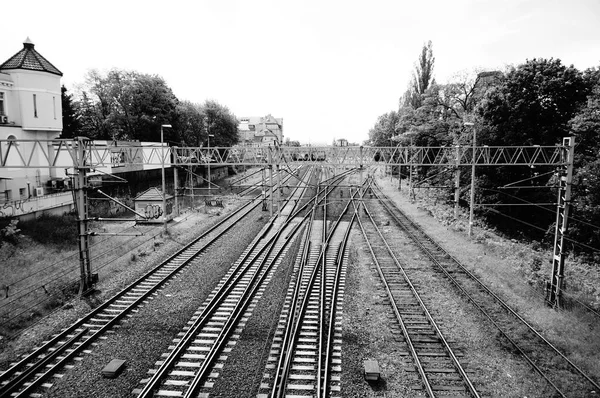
pixel 23 193
pixel 54 106
pixel 2 104
pixel 35 105
pixel 8 195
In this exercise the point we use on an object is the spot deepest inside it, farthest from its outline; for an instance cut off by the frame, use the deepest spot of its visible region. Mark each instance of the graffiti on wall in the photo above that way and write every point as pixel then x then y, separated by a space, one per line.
pixel 16 208
pixel 152 212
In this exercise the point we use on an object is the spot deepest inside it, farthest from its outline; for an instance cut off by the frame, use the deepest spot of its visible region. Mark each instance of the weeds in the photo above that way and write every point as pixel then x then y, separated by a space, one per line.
pixel 49 229
pixel 10 233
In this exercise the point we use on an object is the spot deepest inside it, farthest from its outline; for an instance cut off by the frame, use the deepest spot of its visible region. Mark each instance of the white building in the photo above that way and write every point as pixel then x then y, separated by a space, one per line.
pixel 30 109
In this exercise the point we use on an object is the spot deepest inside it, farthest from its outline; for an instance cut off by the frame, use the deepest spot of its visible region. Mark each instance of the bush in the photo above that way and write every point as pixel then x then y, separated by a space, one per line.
pixel 10 233
pixel 49 229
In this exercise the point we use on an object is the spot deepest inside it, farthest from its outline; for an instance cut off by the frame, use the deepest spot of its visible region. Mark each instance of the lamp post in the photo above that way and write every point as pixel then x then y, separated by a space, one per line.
pixel 162 168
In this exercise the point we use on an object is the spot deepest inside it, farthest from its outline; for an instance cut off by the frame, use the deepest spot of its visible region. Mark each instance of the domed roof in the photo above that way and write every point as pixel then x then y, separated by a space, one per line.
pixel 28 58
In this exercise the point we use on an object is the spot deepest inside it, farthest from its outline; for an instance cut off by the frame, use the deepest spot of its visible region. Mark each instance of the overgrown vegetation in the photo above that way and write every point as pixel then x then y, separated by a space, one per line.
pixel 535 103
pixel 50 229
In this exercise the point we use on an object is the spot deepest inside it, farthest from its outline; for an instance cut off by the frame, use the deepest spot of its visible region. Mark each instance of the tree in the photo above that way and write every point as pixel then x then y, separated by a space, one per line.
pixel 189 122
pixel 125 105
pixel 221 123
pixel 585 126
pixel 69 115
pixel 385 128
pixel 421 78
pixel 533 104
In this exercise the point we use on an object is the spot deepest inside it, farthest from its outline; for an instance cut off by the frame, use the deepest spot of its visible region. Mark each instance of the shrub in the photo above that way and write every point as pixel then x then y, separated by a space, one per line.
pixel 10 233
pixel 49 229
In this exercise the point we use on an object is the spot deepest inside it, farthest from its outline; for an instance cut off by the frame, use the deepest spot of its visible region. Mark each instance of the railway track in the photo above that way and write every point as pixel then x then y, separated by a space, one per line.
pixel 191 366
pixel 438 366
pixel 563 377
pixel 36 369
pixel 305 357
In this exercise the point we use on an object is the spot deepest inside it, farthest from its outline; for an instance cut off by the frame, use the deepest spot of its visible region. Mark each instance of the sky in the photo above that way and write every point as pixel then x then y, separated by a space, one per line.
pixel 328 68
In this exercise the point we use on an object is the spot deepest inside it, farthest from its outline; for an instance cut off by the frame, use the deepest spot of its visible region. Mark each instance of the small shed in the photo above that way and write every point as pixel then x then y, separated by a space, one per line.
pixel 150 204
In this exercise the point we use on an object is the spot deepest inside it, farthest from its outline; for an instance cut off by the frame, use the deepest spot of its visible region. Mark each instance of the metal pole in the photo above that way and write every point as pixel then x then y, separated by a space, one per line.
pixel 457 184
pixel 411 191
pixel 79 182
pixel 279 188
pixel 209 159
pixel 554 297
pixel 162 169
pixel 175 188
pixel 271 182
pixel 472 199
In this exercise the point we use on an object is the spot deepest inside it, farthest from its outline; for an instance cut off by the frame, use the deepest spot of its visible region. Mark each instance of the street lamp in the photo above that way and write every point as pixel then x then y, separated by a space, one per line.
pixel 162 168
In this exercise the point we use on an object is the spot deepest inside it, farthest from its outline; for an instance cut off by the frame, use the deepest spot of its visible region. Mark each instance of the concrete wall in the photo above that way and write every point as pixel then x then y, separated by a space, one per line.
pixel 29 208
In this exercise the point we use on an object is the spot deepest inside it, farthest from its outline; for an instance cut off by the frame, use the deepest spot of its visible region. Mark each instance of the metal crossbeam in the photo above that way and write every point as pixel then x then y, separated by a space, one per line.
pixel 63 154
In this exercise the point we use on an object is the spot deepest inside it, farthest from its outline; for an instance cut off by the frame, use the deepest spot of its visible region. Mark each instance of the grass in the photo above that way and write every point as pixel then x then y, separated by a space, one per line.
pixel 60 231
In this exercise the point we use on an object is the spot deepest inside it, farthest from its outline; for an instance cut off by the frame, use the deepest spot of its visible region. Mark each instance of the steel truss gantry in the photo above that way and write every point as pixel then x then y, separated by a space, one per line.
pixel 83 155
pixel 63 154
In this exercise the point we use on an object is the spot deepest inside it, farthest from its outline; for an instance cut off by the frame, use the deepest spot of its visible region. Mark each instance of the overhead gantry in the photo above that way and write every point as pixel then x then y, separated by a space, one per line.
pixel 83 155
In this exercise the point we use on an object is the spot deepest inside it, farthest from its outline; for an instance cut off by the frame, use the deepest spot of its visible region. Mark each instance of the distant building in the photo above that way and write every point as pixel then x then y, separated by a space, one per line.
pixel 260 131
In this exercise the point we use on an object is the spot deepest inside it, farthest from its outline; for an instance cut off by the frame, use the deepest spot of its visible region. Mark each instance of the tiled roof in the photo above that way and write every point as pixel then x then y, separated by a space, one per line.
pixel 28 58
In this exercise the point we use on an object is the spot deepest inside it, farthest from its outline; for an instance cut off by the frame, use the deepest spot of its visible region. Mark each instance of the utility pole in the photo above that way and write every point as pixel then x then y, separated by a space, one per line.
pixel 87 280
pixel 270 159
pixel 565 179
pixel 472 197
pixel 457 183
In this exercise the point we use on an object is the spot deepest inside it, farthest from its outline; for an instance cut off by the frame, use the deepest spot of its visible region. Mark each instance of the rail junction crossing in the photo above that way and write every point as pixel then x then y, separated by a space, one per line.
pixel 82 156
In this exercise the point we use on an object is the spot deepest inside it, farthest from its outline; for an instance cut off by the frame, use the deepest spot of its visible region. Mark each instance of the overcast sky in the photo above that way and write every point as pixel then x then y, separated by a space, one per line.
pixel 328 68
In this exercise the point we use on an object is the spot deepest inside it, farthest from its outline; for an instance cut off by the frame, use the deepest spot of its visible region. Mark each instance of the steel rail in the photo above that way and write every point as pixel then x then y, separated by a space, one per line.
pixel 40 364
pixel 333 306
pixel 217 298
pixel 473 392
pixel 322 303
pixel 239 271
pixel 247 297
pixel 487 290
pixel 280 379
pixel 9 388
pixel 296 293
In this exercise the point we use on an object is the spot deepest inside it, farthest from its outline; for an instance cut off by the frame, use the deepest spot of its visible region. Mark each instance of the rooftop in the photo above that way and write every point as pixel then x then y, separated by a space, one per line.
pixel 28 58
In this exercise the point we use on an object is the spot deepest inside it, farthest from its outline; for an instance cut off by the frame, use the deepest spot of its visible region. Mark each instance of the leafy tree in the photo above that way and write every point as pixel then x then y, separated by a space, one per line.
pixel 381 134
pixel 190 124
pixel 586 188
pixel 421 79
pixel 220 122
pixel 533 105
pixel 69 115
pixel 125 105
